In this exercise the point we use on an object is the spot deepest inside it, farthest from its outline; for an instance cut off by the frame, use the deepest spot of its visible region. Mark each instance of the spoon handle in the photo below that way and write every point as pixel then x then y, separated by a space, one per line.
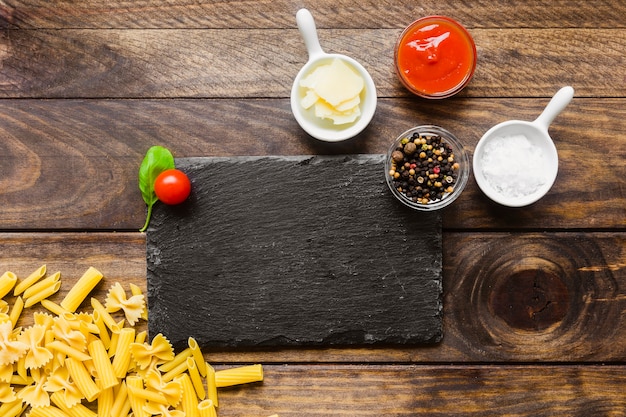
pixel 556 105
pixel 306 25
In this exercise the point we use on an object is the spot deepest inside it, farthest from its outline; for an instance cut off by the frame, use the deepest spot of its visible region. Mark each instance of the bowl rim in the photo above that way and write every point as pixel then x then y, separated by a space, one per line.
pixel 461 156
pixel 468 77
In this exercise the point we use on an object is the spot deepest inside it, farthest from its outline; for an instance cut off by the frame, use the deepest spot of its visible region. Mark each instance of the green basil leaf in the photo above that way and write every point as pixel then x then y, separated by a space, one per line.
pixel 157 160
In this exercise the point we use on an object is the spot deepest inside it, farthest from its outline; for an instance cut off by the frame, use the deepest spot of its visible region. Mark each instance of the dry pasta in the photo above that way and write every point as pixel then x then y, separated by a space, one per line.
pixel 240 375
pixel 121 360
pixel 29 280
pixel 41 285
pixel 81 289
pixel 104 368
pixel 45 292
pixel 189 402
pixel 7 282
pixel 71 357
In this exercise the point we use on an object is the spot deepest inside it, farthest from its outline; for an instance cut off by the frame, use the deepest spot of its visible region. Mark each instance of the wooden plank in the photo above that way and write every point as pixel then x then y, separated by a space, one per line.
pixel 476 329
pixel 280 14
pixel 345 390
pixel 252 63
pixel 293 251
pixel 68 164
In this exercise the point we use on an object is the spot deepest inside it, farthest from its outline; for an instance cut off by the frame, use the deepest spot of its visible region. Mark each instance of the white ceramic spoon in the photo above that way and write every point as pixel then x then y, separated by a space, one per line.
pixel 537 134
pixel 323 129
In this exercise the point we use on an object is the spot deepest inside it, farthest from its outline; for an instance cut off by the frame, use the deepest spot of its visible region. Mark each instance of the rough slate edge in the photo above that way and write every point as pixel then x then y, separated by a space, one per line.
pixel 174 314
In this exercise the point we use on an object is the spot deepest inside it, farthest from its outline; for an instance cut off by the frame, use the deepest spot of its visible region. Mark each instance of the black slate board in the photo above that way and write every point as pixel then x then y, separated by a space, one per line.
pixel 277 251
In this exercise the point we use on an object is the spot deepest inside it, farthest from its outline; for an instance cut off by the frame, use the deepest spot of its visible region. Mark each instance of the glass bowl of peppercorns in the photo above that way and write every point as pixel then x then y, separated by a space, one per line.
pixel 427 168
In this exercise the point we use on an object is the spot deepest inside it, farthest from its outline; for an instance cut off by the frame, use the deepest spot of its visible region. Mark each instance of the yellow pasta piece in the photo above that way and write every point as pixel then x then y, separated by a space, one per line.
pixel 135 290
pixel 29 280
pixel 179 369
pixel 81 289
pixel 11 350
pixel 211 387
pixel 147 395
pixel 239 375
pixel 16 311
pixel 76 410
pixel 156 353
pixel 7 394
pixel 44 283
pixel 197 355
pixel 82 379
pixel 12 409
pixel 62 330
pixel 35 395
pixel 48 411
pixel 121 405
pixel 172 390
pixel 103 332
pixel 103 314
pixel 59 382
pixel 206 408
pixel 18 379
pixel 7 282
pixel 37 355
pixel 53 307
pixel 105 401
pixel 116 300
pixel 68 350
pixel 44 293
pixel 136 403
pixel 178 359
pixel 121 360
pixel 189 402
pixel 104 368
pixel 141 337
pixel 4 307
pixel 195 378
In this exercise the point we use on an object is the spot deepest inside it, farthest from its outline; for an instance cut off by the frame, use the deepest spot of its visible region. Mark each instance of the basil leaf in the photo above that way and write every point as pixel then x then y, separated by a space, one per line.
pixel 157 160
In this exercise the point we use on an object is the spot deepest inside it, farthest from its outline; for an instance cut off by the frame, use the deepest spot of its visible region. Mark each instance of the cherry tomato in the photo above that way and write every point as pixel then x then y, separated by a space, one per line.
pixel 172 186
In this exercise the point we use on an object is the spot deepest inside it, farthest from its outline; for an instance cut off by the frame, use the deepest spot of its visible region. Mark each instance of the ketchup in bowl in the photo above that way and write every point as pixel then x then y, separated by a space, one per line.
pixel 435 57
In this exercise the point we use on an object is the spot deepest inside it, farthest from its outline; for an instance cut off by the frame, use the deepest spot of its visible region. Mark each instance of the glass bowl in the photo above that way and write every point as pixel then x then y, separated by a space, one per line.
pixel 435 57
pixel 426 168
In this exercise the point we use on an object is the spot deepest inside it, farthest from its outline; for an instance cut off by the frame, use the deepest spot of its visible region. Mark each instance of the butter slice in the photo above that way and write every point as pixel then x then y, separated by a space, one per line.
pixel 334 90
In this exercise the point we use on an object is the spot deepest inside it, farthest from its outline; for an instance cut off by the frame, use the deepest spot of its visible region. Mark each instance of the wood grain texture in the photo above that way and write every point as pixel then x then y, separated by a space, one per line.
pixel 203 63
pixel 279 14
pixel 72 164
pixel 592 269
pixel 344 390
pixel 293 251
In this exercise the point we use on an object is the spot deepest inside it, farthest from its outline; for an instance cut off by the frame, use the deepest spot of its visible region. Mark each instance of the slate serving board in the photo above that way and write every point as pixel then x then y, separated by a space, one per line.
pixel 281 251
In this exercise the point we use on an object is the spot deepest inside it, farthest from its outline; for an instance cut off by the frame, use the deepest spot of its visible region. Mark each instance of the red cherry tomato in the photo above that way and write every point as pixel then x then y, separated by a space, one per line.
pixel 172 186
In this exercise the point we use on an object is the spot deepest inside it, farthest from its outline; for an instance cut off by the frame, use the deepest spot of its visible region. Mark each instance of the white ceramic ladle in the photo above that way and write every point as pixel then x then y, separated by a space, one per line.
pixel 542 147
pixel 324 129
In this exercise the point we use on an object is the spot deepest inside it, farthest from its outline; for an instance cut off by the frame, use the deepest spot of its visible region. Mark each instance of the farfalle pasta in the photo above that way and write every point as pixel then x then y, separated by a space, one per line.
pixel 70 363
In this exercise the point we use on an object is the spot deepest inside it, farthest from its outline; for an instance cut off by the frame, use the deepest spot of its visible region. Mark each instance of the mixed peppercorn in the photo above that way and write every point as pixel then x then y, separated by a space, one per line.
pixel 423 168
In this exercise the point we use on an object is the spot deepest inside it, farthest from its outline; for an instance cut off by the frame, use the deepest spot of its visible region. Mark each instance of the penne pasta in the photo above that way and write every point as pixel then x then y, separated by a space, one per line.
pixel 103 331
pixel 79 292
pixel 76 410
pixel 48 411
pixel 141 337
pixel 197 355
pixel 121 405
pixel 103 315
pixel 82 379
pixel 13 408
pixel 178 359
pixel 179 369
pixel 104 368
pixel 53 307
pixel 29 280
pixel 189 402
pixel 147 395
pixel 16 311
pixel 68 350
pixel 211 387
pixel 44 293
pixel 121 360
pixel 206 408
pixel 44 283
pixel 7 283
pixel 105 401
pixel 136 403
pixel 194 375
pixel 239 375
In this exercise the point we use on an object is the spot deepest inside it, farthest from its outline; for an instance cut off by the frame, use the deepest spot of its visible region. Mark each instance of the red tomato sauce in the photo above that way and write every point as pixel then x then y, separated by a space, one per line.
pixel 435 57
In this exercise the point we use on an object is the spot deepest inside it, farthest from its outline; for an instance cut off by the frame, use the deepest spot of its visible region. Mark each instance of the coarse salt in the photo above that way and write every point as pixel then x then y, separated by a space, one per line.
pixel 513 166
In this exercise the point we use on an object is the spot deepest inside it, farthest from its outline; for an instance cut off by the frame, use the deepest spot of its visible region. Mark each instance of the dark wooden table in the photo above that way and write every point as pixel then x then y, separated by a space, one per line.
pixel 87 87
